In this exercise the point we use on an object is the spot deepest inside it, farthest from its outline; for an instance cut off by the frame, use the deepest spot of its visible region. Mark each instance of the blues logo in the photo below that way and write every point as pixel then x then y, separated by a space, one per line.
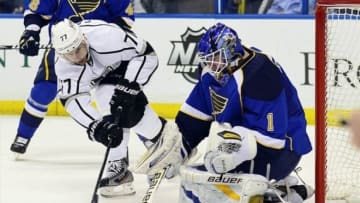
pixel 82 7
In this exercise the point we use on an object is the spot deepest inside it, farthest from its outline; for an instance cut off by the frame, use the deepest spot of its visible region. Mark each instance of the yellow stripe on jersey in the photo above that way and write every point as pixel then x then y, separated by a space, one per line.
pixel 46 64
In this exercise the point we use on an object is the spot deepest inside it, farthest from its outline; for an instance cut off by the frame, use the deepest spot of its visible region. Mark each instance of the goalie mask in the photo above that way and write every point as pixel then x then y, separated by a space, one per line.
pixel 219 49
pixel 69 41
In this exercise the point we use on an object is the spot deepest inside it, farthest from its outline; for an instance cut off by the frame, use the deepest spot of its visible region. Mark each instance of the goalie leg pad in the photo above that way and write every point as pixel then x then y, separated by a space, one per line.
pixel 199 185
pixel 166 151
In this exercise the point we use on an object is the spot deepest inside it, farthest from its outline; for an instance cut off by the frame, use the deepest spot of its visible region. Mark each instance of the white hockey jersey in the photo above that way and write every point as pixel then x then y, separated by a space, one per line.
pixel 109 46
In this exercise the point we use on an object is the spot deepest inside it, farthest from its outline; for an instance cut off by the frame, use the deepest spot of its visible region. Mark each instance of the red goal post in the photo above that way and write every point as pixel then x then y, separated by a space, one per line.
pixel 337 93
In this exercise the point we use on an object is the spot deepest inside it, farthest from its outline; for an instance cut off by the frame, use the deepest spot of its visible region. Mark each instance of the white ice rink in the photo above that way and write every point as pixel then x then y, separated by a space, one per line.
pixel 62 165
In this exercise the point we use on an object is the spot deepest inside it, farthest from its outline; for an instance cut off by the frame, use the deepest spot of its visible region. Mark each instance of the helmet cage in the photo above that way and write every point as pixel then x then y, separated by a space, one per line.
pixel 219 49
pixel 215 62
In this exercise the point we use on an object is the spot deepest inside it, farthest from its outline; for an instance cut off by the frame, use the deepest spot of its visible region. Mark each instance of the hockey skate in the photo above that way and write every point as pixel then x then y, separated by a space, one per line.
pixel 19 145
pixel 289 190
pixel 118 180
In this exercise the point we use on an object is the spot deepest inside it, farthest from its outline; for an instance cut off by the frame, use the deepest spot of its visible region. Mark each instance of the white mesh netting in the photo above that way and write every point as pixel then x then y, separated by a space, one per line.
pixel 342 95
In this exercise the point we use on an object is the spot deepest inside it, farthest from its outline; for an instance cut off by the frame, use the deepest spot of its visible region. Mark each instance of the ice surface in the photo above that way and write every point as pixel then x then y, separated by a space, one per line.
pixel 62 165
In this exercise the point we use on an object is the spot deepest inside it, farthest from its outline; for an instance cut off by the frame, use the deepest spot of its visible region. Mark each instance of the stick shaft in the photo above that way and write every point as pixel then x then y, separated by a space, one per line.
pixel 154 185
pixel 95 195
pixel 43 46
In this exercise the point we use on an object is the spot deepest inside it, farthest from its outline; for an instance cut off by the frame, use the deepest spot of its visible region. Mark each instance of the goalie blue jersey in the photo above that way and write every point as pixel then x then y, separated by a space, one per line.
pixel 258 96
pixel 111 11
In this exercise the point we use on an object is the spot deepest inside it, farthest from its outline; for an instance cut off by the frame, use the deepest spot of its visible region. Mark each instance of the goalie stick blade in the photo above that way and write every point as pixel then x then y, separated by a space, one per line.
pixel 154 185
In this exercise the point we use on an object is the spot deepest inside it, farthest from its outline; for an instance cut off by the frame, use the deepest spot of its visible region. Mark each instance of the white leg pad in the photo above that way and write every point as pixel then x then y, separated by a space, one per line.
pixel 164 152
pixel 207 187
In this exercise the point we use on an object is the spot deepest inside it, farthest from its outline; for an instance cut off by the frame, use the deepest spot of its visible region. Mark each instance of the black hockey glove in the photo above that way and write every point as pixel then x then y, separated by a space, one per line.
pixel 128 103
pixel 29 43
pixel 105 132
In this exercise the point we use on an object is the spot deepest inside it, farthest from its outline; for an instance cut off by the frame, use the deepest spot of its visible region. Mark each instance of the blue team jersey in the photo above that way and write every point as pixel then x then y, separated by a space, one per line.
pixel 258 96
pixel 57 10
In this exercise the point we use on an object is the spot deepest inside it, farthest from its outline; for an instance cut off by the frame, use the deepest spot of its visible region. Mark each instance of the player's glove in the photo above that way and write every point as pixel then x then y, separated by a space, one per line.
pixel 229 148
pixel 105 132
pixel 128 103
pixel 29 42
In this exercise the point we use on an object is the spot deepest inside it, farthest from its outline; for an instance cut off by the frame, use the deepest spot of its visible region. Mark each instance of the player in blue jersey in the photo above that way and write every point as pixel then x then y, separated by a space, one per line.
pixel 261 122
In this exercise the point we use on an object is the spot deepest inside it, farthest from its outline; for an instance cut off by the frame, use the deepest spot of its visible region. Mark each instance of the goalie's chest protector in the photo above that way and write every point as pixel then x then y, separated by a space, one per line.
pixel 224 101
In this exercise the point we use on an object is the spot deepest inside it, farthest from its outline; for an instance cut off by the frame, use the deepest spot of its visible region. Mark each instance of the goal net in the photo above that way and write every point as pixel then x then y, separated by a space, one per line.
pixel 337 93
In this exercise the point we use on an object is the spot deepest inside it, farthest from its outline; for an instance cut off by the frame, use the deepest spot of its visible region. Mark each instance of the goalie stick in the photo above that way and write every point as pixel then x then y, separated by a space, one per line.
pixel 43 46
pixel 154 185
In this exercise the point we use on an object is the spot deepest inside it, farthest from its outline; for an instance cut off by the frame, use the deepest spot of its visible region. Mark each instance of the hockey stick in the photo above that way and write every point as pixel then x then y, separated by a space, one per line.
pixel 95 197
pixel 154 185
pixel 43 46
pixel 96 81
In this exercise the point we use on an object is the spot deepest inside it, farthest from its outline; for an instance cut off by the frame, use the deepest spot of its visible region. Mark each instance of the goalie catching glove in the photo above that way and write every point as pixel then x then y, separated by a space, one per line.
pixel 229 148
pixel 105 132
pixel 128 103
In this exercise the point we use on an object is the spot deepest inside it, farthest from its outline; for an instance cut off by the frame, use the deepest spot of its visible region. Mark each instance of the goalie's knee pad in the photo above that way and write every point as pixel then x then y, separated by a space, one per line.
pixel 199 185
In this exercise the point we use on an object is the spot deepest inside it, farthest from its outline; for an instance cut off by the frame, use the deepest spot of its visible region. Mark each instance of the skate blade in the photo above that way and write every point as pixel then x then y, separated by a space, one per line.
pixel 17 156
pixel 114 191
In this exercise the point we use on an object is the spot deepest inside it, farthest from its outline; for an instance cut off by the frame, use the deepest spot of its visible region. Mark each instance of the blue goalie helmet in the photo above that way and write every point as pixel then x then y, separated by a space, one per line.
pixel 219 48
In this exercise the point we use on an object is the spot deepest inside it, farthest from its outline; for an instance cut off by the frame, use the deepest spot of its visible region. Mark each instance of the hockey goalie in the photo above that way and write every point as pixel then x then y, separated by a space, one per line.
pixel 260 135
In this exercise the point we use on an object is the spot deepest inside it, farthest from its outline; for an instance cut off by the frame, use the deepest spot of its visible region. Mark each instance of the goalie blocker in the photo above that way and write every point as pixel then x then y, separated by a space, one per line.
pixel 199 185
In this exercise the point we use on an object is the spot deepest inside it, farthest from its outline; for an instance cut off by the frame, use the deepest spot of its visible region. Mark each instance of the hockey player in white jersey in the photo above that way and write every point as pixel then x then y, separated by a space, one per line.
pixel 115 64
